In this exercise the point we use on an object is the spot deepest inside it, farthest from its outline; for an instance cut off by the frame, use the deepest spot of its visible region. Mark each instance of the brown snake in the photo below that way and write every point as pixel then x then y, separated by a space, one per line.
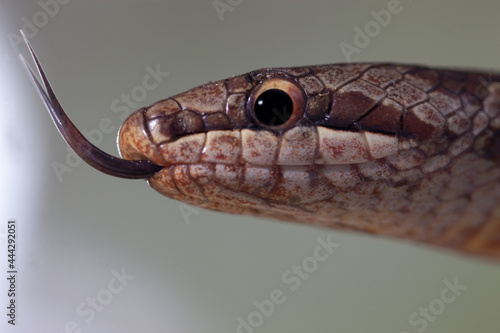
pixel 396 150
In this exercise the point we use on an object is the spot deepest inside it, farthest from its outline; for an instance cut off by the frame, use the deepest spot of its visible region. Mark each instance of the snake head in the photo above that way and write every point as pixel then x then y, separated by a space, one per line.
pixel 371 147
pixel 279 137
pixel 278 116
pixel 404 151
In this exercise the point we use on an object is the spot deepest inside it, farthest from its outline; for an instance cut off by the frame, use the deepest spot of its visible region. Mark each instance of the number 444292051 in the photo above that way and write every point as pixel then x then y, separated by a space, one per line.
pixel 11 247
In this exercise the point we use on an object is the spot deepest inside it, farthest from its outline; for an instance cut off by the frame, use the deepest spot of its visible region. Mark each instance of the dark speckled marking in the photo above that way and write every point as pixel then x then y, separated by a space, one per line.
pixel 186 122
pixel 239 84
pixel 444 100
pixel 384 118
pixel 311 84
pixel 406 94
pixel 353 101
pixel 209 97
pixel 318 107
pixel 217 121
pixel 425 79
pixel 382 76
pixel 236 110
pixel 423 122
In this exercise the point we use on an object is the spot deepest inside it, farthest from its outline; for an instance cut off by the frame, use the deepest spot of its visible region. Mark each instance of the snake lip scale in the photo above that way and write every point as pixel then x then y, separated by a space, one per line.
pixel 403 151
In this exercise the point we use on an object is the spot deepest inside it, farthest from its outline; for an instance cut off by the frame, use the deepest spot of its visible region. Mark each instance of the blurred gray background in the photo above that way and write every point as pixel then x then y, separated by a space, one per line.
pixel 204 273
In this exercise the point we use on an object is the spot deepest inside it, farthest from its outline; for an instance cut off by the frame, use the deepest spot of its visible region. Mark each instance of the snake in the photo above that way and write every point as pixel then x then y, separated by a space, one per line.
pixel 408 152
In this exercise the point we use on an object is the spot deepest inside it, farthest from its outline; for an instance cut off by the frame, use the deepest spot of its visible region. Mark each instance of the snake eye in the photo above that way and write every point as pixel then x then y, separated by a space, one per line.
pixel 273 107
pixel 276 104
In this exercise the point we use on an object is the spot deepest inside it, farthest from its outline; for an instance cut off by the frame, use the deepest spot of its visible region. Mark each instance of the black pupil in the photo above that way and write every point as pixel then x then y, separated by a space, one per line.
pixel 273 107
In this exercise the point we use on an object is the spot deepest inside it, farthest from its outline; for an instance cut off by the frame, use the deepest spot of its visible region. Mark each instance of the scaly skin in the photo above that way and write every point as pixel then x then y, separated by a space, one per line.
pixel 401 151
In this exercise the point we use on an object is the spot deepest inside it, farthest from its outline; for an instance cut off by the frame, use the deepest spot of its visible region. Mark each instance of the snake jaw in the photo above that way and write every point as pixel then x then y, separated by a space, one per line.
pixel 92 155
